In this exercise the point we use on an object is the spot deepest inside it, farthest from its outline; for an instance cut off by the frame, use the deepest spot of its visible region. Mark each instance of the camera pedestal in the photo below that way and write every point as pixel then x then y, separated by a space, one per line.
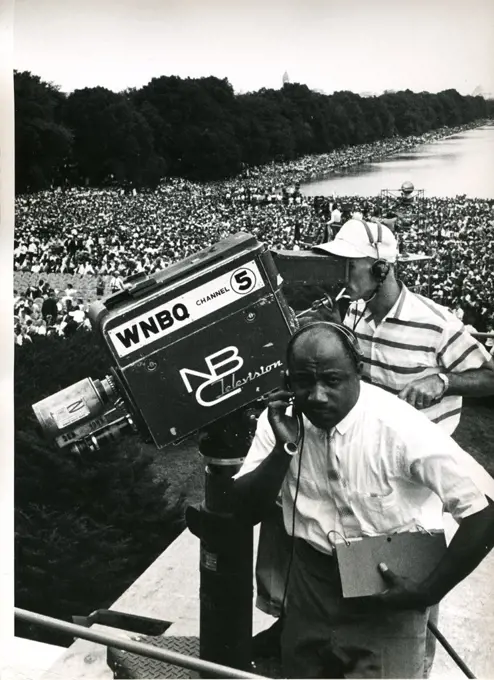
pixel 226 556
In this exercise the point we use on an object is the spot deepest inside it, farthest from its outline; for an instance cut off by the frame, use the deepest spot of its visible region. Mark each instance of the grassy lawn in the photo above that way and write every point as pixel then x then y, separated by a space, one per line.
pixel 183 467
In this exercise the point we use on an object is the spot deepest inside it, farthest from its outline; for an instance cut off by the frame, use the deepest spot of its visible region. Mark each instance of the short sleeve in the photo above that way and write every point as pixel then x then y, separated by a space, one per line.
pixel 458 350
pixel 461 483
pixel 262 445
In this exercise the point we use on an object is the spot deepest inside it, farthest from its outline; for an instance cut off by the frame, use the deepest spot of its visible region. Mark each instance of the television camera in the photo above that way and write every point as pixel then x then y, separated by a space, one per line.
pixel 188 345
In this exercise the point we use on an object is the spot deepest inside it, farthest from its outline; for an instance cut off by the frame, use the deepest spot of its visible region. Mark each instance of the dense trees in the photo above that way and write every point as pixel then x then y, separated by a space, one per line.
pixel 43 143
pixel 86 526
pixel 198 128
pixel 112 141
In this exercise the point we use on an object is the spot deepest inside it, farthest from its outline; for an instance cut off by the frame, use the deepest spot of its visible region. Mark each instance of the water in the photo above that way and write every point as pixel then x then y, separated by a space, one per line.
pixel 461 164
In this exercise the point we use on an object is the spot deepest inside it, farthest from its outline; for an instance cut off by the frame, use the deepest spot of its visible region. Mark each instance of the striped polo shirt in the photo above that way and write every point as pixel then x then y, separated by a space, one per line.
pixel 416 338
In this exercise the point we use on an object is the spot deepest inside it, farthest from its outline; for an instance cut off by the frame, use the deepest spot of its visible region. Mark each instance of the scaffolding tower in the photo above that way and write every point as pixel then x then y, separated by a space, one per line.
pixel 403 210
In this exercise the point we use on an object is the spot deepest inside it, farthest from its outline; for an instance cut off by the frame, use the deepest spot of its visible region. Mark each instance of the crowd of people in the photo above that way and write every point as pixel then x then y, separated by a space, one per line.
pixel 42 311
pixel 110 234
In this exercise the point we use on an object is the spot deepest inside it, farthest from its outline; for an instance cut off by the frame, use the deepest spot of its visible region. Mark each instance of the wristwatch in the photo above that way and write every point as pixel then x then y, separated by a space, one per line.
pixel 291 448
pixel 445 380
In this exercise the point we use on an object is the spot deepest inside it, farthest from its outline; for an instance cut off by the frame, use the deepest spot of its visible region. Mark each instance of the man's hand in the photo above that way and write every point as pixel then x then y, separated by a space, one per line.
pixel 423 392
pixel 402 593
pixel 284 427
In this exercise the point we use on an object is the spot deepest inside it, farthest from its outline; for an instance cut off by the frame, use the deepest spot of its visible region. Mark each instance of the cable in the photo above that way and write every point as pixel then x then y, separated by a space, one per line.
pixel 358 320
pixel 297 485
pixel 366 302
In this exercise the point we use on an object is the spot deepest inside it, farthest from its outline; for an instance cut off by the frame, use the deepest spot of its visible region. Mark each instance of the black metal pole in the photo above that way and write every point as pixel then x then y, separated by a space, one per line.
pixel 226 569
pixel 456 658
pixel 149 651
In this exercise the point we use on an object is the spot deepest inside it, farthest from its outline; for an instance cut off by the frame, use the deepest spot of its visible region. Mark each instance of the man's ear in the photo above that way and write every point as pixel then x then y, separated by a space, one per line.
pixel 360 368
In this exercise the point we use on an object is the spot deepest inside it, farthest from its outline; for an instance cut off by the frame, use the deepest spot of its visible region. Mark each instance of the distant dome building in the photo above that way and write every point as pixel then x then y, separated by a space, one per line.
pixel 286 78
pixel 480 91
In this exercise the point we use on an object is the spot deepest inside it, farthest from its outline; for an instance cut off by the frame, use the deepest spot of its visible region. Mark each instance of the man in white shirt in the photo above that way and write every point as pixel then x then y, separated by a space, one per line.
pixel 366 464
pixel 89 243
pixel 78 315
pixel 41 330
pixel 335 214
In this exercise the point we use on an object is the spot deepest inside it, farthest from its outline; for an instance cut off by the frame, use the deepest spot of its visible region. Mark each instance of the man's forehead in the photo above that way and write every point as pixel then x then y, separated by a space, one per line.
pixel 313 368
pixel 317 345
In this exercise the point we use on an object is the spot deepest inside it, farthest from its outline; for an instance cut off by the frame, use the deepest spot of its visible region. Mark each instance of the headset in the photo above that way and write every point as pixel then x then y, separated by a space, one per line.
pixel 380 268
pixel 347 336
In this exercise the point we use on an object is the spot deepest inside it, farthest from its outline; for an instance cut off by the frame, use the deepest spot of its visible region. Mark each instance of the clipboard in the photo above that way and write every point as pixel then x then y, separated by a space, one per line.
pixel 412 554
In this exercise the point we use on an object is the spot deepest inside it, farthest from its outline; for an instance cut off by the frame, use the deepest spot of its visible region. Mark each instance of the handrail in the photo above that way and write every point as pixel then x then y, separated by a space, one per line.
pixel 482 336
pixel 149 651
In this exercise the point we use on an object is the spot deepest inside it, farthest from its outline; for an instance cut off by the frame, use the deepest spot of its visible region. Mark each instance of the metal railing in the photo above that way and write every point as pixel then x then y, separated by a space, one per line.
pixel 482 336
pixel 175 658
pixel 103 638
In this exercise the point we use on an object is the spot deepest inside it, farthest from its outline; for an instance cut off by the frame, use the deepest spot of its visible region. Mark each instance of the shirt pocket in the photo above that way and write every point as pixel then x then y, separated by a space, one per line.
pixel 380 512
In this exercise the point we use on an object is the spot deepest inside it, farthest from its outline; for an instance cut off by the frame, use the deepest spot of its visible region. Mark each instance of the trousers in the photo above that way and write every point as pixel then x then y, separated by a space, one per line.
pixel 273 560
pixel 326 636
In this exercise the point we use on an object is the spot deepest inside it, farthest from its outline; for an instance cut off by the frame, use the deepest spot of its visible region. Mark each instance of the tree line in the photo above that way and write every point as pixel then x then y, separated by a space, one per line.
pixel 198 128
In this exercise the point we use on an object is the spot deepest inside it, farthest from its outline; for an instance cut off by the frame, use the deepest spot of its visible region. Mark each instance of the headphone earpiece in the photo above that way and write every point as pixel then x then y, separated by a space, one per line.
pixel 380 270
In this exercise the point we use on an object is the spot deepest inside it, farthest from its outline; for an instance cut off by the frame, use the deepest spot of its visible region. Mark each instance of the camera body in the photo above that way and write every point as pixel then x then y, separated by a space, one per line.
pixel 188 345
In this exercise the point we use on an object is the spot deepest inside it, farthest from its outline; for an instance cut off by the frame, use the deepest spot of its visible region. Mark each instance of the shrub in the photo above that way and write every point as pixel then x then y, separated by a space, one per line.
pixel 85 526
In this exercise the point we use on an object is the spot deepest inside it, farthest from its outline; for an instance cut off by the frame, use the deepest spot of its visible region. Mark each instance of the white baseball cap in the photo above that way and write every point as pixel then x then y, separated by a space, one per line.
pixel 353 241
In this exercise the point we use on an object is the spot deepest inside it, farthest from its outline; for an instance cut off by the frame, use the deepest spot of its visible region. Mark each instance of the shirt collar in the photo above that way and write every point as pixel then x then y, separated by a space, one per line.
pixel 396 309
pixel 394 312
pixel 344 425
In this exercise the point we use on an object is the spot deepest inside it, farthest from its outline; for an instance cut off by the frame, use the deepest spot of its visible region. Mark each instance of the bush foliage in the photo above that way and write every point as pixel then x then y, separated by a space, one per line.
pixel 85 526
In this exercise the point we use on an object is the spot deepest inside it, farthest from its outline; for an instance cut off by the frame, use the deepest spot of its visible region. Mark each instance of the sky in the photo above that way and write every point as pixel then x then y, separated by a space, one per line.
pixel 329 45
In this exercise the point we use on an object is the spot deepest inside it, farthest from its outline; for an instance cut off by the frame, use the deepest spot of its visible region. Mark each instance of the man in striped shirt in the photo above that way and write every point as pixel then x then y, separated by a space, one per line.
pixel 412 346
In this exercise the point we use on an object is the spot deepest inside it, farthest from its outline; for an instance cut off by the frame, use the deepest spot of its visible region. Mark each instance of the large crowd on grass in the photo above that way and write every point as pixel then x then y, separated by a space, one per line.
pixel 111 233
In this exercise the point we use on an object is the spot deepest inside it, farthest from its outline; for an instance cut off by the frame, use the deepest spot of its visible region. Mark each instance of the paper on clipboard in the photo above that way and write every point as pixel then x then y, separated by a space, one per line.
pixel 409 554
